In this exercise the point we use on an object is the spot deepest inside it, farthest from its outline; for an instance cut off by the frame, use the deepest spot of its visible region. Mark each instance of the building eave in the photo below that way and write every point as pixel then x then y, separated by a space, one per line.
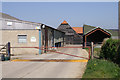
pixel 95 29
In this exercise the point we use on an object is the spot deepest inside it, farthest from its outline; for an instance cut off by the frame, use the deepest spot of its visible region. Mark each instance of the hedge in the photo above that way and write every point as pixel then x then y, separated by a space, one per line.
pixel 111 50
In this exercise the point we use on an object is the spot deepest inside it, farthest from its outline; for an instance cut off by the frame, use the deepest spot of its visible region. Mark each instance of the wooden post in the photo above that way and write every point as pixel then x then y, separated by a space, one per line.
pixel 92 50
pixel 63 40
pixel 40 41
pixel 8 49
pixel 85 41
pixel 46 39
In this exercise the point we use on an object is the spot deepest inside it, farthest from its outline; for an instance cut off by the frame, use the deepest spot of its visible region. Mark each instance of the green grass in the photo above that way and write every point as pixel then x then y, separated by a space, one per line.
pixel 87 49
pixel 101 69
pixel 96 51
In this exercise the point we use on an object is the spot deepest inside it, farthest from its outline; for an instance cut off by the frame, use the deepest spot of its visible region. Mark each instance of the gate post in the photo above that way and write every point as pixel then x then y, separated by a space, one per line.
pixel 40 47
pixel 92 50
pixel 8 50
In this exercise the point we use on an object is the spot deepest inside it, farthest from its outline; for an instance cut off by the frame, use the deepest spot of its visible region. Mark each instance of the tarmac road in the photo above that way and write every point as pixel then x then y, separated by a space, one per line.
pixel 46 69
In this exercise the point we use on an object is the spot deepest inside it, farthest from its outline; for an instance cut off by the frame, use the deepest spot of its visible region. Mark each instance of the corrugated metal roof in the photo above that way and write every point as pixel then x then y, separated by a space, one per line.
pixel 6 16
pixel 87 28
pixel 17 24
pixel 97 28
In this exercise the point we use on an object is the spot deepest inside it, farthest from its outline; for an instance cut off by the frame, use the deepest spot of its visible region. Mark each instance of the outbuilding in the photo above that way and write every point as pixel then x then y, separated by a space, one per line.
pixel 71 36
pixel 28 37
pixel 95 35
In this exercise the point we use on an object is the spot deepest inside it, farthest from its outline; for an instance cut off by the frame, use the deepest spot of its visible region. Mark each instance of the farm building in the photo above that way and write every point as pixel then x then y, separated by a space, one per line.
pixel 27 37
pixel 97 34
pixel 52 37
pixel 71 37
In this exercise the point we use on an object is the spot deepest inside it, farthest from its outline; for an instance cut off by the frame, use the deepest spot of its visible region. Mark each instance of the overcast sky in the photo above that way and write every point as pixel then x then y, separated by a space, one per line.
pixel 102 14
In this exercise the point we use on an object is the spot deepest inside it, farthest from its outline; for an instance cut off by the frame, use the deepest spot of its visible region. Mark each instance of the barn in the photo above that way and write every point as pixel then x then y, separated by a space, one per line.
pixel 97 34
pixel 71 36
pixel 28 37
pixel 51 37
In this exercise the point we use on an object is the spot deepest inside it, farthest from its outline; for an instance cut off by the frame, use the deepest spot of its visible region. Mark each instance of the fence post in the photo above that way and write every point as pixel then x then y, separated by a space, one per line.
pixel 92 50
pixel 8 50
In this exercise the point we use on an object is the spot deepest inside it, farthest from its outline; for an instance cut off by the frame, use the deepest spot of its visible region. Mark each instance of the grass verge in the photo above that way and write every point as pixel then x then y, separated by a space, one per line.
pixel 101 69
pixel 96 51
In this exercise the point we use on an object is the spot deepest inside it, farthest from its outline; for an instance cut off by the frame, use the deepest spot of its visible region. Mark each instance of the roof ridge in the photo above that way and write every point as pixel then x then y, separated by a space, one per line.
pixel 96 28
pixel 64 22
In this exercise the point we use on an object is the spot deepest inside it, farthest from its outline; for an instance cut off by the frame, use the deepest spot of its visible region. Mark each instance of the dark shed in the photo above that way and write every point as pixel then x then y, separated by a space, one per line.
pixel 96 35
pixel 71 37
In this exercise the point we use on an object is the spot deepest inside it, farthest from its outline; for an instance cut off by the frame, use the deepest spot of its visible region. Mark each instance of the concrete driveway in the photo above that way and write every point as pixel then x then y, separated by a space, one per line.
pixel 33 69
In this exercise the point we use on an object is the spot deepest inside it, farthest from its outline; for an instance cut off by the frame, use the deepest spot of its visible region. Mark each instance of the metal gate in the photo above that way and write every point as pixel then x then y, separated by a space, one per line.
pixel 68 47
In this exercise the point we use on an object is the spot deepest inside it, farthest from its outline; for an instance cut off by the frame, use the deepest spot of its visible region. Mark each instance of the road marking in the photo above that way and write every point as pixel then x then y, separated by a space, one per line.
pixel 48 60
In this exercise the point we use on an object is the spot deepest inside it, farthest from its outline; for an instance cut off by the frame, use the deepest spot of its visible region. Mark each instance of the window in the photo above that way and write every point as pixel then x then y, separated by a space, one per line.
pixel 9 23
pixel 22 38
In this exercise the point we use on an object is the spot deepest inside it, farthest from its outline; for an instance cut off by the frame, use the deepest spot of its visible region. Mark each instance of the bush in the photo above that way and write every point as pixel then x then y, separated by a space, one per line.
pixel 110 50
pixel 118 55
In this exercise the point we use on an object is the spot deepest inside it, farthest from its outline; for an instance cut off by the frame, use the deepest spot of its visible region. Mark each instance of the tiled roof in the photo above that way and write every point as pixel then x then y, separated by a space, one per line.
pixel 78 30
pixel 64 22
